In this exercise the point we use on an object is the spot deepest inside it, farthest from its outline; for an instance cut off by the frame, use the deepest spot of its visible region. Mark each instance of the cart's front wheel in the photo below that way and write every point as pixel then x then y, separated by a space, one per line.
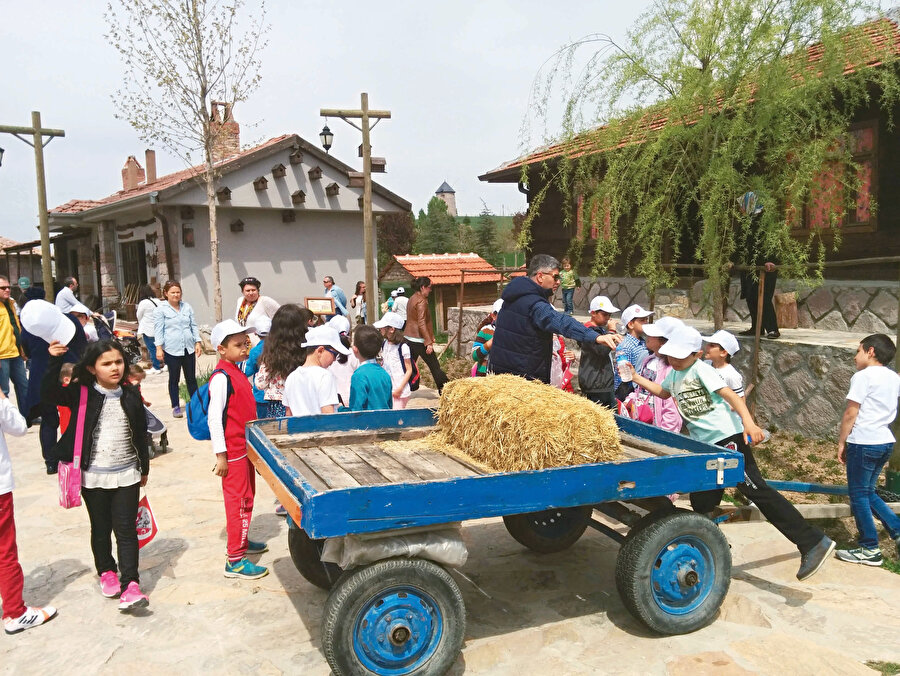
pixel 674 574
pixel 551 530
pixel 397 616
pixel 306 554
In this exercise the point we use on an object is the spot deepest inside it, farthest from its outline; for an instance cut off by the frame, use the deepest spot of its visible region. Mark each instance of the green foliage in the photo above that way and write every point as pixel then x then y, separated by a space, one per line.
pixel 486 236
pixel 436 230
pixel 202 379
pixel 884 668
pixel 703 101
pixel 396 233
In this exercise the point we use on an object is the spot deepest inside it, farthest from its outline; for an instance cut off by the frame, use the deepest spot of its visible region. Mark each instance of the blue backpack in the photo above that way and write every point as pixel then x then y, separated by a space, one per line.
pixel 198 409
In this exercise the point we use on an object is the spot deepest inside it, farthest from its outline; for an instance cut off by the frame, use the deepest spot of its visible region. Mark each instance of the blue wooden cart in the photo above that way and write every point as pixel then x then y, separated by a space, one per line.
pixel 406 615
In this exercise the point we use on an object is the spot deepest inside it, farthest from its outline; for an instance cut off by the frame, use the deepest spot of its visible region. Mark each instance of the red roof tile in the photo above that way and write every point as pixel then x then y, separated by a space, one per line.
pixel 167 181
pixel 447 268
pixel 655 118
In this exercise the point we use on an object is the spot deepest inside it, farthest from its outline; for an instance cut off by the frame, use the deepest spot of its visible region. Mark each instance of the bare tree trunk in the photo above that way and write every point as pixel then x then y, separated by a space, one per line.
pixel 213 241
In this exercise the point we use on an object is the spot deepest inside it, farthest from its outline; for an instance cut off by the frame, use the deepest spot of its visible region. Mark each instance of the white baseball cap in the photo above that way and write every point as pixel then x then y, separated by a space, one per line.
pixel 663 327
pixel 634 312
pixel 263 325
pixel 80 308
pixel 394 293
pixel 400 290
pixel 683 342
pixel 727 340
pixel 497 305
pixel 325 336
pixel 602 303
pixel 391 319
pixel 47 322
pixel 229 327
pixel 339 323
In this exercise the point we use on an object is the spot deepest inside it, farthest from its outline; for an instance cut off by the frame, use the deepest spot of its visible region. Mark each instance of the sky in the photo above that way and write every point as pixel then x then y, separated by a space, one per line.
pixel 456 76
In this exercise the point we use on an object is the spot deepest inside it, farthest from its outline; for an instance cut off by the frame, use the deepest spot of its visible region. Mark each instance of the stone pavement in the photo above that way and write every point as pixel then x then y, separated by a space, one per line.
pixel 527 613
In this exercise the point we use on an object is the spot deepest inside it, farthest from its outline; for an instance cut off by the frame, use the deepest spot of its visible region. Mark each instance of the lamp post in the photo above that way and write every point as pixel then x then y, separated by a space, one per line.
pixel 364 115
pixel 326 137
pixel 37 142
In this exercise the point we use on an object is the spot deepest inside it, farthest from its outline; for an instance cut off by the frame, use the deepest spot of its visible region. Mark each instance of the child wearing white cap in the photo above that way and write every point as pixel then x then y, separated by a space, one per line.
pixel 632 346
pixel 595 372
pixel 720 347
pixel 396 358
pixel 642 404
pixel 703 400
pixel 310 389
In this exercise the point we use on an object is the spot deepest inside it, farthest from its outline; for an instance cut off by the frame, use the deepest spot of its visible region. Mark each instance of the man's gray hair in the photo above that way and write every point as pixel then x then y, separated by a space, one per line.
pixel 329 278
pixel 541 263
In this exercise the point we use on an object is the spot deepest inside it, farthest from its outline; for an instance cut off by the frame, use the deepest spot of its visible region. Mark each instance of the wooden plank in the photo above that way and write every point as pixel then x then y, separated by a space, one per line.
pixel 389 468
pixel 652 447
pixel 418 464
pixel 326 468
pixel 635 454
pixel 296 461
pixel 354 465
pixel 349 438
pixel 447 464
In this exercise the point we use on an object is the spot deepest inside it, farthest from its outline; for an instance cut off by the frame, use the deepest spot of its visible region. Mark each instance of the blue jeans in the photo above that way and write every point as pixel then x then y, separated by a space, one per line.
pixel 864 465
pixel 150 344
pixel 567 295
pixel 14 369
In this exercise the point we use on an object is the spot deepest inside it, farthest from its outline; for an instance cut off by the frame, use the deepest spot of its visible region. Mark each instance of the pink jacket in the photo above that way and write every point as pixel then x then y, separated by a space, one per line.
pixel 665 411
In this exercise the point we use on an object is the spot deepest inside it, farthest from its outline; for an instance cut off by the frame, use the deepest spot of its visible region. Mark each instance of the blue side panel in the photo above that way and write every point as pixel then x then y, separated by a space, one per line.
pixel 355 420
pixel 803 487
pixel 376 508
pixel 664 437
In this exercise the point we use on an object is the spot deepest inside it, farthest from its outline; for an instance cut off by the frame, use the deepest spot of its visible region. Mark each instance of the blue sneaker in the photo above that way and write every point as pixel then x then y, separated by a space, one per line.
pixel 256 547
pixel 245 569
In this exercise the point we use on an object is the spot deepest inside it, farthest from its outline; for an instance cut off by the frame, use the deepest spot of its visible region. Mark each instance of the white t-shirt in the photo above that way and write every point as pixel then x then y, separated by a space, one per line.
pixel 390 356
pixel 146 312
pixel 706 414
pixel 875 389
pixel 308 389
pixel 11 422
pixel 400 306
pixel 342 374
pixel 735 381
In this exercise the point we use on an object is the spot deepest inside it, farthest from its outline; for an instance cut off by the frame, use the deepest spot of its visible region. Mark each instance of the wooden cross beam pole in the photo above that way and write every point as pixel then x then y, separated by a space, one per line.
pixel 37 132
pixel 364 114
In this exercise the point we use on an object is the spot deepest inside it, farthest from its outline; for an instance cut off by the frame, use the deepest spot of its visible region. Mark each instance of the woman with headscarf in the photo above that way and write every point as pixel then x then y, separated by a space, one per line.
pixel 251 305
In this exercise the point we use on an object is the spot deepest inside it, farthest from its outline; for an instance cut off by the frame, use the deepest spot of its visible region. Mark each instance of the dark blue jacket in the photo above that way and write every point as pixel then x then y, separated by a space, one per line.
pixel 520 347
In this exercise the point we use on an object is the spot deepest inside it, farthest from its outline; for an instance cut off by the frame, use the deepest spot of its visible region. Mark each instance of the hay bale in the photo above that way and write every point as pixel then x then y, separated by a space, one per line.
pixel 512 424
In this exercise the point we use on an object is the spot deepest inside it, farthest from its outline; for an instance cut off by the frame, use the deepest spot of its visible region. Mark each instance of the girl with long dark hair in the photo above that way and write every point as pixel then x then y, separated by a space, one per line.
pixel 282 353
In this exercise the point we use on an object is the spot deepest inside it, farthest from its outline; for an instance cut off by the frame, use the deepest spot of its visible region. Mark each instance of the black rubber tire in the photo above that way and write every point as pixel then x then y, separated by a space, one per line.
pixel 550 530
pixel 368 587
pixel 646 520
pixel 306 554
pixel 642 555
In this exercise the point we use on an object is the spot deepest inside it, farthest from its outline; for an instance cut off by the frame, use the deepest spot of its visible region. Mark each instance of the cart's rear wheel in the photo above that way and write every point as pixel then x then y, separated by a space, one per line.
pixel 551 530
pixel 397 616
pixel 675 572
pixel 306 554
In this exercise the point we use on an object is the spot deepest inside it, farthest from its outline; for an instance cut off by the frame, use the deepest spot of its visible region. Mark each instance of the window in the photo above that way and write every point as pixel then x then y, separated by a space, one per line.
pixel 593 220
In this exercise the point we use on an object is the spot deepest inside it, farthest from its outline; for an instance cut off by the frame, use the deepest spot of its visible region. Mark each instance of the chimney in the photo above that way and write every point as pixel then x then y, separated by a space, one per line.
pixel 132 174
pixel 225 131
pixel 150 163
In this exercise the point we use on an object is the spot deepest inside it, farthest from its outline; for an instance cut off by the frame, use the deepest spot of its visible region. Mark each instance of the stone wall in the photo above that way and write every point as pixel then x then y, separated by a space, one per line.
pixel 860 307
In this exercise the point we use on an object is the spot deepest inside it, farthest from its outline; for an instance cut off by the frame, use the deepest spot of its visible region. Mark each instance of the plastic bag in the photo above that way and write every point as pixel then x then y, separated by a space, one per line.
pixel 444 546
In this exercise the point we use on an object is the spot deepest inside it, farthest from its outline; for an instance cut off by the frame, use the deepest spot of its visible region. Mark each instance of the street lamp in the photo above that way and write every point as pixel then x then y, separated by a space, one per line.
pixel 325 137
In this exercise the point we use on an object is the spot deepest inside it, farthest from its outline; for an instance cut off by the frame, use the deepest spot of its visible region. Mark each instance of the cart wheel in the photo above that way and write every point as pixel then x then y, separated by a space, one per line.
pixel 306 554
pixel 164 442
pixel 674 573
pixel 551 530
pixel 397 616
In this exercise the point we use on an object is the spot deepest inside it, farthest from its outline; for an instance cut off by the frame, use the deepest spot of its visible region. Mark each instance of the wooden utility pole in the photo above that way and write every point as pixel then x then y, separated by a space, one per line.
pixel 364 115
pixel 37 134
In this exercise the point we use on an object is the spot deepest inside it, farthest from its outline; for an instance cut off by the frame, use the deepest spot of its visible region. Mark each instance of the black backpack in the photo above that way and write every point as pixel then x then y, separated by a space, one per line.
pixel 414 378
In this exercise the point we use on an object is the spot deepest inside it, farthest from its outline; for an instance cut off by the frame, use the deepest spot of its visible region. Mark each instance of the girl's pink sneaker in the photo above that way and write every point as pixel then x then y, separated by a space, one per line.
pixel 132 597
pixel 109 584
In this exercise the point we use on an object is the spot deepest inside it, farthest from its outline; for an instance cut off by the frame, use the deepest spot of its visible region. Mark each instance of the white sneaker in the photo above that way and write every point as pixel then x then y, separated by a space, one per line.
pixel 32 617
pixel 153 371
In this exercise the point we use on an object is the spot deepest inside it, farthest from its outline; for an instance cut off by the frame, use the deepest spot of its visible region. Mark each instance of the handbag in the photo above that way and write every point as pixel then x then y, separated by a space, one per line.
pixel 70 472
pixel 145 523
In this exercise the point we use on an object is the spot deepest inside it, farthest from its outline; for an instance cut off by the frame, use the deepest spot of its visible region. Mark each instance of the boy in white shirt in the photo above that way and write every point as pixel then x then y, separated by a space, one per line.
pixel 866 442
pixel 310 389
pixel 703 400
pixel 721 347
pixel 16 615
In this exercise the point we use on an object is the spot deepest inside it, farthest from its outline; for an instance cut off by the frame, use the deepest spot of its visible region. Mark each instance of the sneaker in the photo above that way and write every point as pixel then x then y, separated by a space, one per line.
pixel 177 412
pixel 133 597
pixel 32 617
pixel 109 584
pixel 774 334
pixel 815 558
pixel 256 547
pixel 245 569
pixel 748 332
pixel 867 557
pixel 281 511
pixel 153 371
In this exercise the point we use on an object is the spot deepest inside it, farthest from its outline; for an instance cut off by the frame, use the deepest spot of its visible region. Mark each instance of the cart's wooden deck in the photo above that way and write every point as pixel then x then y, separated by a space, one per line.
pixel 351 459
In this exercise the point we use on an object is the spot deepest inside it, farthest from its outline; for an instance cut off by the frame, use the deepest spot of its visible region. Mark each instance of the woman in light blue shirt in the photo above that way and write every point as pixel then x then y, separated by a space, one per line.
pixel 177 342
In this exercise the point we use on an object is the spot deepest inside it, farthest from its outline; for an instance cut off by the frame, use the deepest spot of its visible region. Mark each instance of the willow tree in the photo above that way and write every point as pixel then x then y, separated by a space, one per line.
pixel 183 59
pixel 703 101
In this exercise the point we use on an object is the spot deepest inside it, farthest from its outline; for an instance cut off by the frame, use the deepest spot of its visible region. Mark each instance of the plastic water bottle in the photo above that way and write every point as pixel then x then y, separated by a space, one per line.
pixel 622 365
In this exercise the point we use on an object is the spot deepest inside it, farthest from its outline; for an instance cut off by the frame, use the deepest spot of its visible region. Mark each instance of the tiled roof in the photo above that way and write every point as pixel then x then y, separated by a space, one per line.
pixel 445 187
pixel 447 268
pixel 6 242
pixel 167 181
pixel 655 118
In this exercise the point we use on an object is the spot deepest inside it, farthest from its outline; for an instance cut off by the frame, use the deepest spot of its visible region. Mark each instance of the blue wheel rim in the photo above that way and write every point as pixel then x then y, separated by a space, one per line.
pixel 683 575
pixel 397 631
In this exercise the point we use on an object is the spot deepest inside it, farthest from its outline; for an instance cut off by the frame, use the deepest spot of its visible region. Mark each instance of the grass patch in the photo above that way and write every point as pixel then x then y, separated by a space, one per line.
pixel 202 379
pixel 884 668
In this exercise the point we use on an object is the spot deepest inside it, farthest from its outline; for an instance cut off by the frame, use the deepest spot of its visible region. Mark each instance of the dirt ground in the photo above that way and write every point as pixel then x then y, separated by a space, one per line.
pixel 526 613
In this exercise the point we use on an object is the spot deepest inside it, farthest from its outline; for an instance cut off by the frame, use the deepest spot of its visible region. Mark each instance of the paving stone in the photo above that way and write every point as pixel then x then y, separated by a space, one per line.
pixel 773 398
pixel 705 664
pixel 869 323
pixel 813 416
pixel 820 302
pixel 851 302
pixel 833 321
pixel 884 305
pixel 804 318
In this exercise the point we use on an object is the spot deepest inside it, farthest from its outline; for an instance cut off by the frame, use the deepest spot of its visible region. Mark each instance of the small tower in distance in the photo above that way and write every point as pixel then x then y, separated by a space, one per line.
pixel 448 195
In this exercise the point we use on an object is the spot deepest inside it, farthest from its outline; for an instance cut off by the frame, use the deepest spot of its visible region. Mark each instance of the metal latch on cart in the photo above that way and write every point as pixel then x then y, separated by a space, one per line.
pixel 720 465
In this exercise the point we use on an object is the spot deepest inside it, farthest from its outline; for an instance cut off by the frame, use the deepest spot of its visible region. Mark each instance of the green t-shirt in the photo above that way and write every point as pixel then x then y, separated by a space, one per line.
pixel 567 279
pixel 707 415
